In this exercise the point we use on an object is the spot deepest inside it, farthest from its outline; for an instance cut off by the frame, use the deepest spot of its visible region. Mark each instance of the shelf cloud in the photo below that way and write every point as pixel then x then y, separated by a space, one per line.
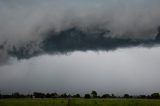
pixel 33 27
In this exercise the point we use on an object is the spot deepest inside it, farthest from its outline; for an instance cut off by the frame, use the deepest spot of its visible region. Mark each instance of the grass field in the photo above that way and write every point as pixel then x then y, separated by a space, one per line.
pixel 79 102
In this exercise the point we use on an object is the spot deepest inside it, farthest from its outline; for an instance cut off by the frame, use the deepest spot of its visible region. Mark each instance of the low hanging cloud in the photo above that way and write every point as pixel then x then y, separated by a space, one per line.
pixel 32 27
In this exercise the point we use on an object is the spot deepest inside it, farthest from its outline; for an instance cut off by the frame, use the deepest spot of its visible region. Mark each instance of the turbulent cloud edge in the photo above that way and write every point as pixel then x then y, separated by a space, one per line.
pixel 33 27
pixel 74 39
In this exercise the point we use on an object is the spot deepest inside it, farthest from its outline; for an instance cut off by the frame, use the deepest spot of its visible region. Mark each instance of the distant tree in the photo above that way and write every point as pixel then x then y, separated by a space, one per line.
pixel 54 95
pixel 29 96
pixel 48 95
pixel 106 96
pixel 0 94
pixel 113 96
pixel 94 94
pixel 155 95
pixel 77 96
pixel 142 96
pixel 17 95
pixel 64 95
pixel 87 96
pixel 38 95
pixel 126 96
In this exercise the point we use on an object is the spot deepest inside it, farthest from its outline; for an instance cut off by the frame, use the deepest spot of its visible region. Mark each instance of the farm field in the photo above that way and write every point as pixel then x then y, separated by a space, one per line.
pixel 79 102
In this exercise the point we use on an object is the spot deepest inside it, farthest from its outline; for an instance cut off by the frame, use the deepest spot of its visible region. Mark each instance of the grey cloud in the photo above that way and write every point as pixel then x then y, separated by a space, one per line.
pixel 29 28
pixel 132 70
pixel 26 25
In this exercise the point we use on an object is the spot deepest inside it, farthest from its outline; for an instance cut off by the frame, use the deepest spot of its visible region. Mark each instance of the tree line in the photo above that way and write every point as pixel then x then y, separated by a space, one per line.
pixel 93 94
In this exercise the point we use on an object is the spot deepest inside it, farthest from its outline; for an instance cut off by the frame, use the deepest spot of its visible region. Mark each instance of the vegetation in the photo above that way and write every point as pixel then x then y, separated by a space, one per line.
pixel 33 102
pixel 87 96
pixel 90 99
pixel 78 102
pixel 93 94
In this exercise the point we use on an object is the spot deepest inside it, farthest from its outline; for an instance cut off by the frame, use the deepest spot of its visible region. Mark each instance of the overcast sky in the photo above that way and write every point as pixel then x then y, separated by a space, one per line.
pixel 133 70
pixel 23 21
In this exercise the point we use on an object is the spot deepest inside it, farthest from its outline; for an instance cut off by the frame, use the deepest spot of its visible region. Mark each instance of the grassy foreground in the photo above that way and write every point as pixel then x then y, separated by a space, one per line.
pixel 79 102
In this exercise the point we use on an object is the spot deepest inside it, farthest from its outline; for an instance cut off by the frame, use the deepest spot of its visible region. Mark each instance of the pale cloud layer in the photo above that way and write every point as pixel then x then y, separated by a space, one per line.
pixel 24 21
pixel 133 71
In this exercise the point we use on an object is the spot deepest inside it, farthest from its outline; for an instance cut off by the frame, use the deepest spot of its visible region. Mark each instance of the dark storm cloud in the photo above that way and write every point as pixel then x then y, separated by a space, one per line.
pixel 33 27
pixel 76 40
pixel 29 28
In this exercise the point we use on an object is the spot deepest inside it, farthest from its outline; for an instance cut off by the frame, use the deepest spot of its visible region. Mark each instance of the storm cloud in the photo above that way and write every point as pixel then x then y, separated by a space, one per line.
pixel 32 27
pixel 60 46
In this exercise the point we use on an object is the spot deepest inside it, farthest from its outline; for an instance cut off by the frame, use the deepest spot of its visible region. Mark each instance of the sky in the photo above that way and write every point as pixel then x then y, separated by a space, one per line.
pixel 134 71
pixel 79 45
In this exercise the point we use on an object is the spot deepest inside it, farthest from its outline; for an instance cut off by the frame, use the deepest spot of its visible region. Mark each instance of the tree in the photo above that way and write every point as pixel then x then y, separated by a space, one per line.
pixel 77 96
pixel 48 95
pixel 64 95
pixel 94 94
pixel 39 95
pixel 126 96
pixel 155 96
pixel 87 96
pixel 54 95
pixel 113 96
pixel 106 96
pixel 0 94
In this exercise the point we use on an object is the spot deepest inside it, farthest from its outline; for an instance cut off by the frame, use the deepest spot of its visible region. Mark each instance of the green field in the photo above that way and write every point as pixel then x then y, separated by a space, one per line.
pixel 79 102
